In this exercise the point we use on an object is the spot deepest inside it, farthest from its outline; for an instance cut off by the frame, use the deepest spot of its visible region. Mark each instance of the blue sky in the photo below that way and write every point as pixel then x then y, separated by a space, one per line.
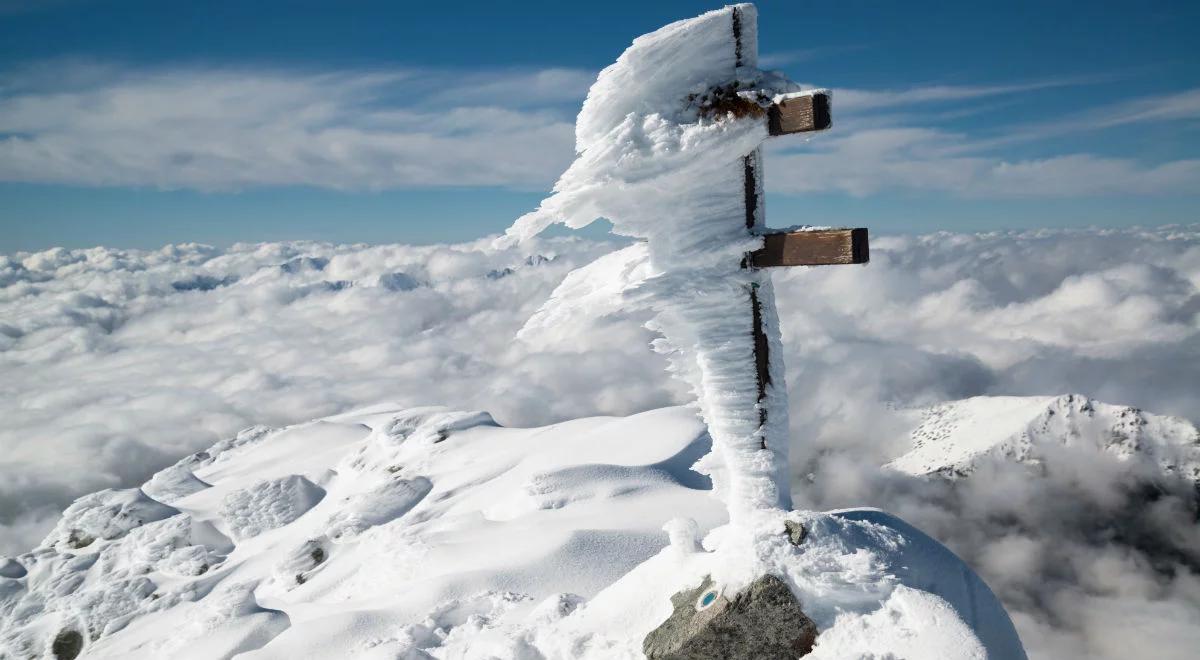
pixel 135 124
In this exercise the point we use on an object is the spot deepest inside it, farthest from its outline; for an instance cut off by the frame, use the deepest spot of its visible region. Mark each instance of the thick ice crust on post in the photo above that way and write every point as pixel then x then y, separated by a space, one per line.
pixel 664 168
pixel 824 247
pixel 658 71
pixel 642 122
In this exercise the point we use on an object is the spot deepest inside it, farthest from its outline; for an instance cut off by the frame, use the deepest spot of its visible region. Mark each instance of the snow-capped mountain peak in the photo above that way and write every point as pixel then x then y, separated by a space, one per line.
pixel 953 438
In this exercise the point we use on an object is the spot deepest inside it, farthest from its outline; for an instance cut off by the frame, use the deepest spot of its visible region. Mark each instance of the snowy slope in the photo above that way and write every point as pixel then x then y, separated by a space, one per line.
pixel 432 533
pixel 953 438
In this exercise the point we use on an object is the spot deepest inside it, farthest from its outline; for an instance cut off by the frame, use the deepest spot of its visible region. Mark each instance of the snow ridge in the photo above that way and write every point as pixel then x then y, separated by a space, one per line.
pixel 954 438
pixel 441 534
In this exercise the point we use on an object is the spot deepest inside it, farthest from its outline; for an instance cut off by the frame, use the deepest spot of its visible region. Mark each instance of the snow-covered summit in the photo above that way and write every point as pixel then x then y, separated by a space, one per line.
pixel 433 533
pixel 953 438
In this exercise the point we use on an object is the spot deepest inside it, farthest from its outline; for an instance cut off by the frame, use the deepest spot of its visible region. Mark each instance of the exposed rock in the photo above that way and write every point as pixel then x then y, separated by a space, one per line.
pixel 795 531
pixel 67 644
pixel 296 568
pixel 762 621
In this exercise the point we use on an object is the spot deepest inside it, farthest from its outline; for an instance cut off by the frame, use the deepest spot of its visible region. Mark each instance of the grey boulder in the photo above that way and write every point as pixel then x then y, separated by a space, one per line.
pixel 761 622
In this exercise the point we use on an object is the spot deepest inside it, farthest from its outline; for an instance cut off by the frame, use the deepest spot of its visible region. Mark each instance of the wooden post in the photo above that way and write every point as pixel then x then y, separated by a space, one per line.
pixel 752 203
pixel 787 114
pixel 752 185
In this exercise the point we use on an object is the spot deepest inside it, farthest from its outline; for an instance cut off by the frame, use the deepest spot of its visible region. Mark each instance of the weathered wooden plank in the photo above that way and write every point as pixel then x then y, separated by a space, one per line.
pixel 824 247
pixel 799 114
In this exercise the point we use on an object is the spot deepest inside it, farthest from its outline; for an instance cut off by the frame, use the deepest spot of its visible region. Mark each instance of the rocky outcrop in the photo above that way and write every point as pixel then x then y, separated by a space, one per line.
pixel 762 621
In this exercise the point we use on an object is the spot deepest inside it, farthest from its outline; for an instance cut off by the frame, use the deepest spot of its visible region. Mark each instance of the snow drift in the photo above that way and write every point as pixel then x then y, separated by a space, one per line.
pixel 422 533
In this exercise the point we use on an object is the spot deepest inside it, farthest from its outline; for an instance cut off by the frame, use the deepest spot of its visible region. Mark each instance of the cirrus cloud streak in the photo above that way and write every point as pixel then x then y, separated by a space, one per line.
pixel 230 129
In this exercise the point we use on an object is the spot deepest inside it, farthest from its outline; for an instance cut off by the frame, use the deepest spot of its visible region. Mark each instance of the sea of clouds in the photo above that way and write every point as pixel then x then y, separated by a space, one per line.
pixel 114 363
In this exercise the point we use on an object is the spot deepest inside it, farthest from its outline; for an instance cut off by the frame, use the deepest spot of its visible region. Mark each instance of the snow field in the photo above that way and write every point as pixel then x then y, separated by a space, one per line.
pixel 475 542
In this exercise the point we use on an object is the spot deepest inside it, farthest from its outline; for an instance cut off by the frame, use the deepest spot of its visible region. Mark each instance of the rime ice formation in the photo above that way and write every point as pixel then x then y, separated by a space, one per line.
pixel 663 171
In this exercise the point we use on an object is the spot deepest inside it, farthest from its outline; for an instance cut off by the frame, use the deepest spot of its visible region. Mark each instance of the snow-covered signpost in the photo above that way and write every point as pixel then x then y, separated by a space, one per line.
pixel 786 114
pixel 669 151
pixel 668 146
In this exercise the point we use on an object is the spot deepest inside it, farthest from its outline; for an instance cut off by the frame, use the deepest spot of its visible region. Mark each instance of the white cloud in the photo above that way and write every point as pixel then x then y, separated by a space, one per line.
pixel 227 129
pixel 781 58
pixel 872 160
pixel 863 100
pixel 214 129
pixel 883 144
pixel 520 89
pixel 1184 105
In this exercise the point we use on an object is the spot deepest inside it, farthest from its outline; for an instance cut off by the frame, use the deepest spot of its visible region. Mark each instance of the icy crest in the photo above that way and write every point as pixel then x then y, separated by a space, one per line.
pixel 441 534
pixel 172 483
pixel 106 515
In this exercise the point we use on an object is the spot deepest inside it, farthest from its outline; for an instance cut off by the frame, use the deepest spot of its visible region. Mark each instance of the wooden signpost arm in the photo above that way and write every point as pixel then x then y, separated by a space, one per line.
pixel 812 247
pixel 802 112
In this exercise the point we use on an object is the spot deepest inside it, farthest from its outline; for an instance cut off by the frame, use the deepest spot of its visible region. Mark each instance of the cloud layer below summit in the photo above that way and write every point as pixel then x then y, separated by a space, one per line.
pixel 117 363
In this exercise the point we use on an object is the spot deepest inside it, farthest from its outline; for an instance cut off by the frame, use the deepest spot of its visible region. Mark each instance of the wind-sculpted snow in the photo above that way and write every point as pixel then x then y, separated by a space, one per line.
pixel 111 371
pixel 377 506
pixel 1111 314
pixel 390 563
pixel 267 505
pixel 106 515
pixel 95 590
pixel 173 483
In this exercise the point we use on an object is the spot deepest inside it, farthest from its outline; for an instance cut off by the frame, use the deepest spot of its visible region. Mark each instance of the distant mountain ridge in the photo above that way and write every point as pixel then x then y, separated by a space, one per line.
pixel 953 438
